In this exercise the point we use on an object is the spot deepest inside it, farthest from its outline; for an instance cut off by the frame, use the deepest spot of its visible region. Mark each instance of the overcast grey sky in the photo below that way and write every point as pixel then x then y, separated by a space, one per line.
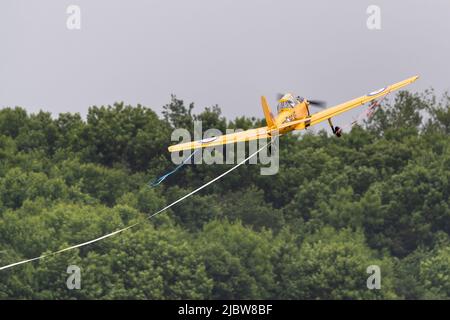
pixel 227 52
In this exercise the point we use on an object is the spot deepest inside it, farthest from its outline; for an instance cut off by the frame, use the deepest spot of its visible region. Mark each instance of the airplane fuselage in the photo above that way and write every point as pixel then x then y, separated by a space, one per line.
pixel 285 115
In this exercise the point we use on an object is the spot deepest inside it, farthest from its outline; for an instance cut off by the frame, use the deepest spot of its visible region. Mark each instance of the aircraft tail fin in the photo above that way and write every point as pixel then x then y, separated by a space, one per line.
pixel 267 113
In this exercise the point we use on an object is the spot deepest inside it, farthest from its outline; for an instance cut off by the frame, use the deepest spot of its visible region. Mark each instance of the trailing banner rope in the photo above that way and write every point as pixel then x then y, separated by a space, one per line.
pixel 148 217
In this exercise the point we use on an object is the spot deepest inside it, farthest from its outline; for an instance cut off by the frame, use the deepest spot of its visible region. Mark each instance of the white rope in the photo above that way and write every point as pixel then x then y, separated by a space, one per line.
pixel 133 225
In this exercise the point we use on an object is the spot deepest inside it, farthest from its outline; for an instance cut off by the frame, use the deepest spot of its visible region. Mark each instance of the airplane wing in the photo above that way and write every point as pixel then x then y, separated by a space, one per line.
pixel 264 132
pixel 346 106
pixel 252 134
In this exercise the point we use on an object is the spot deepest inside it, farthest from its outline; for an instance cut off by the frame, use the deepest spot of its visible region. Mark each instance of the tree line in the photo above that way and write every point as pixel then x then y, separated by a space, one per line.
pixel 379 195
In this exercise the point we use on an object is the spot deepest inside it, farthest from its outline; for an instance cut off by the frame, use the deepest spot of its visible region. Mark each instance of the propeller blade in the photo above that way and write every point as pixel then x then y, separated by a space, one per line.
pixel 317 103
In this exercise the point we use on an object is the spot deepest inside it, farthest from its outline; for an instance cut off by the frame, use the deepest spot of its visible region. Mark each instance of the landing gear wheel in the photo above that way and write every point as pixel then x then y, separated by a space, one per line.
pixel 338 131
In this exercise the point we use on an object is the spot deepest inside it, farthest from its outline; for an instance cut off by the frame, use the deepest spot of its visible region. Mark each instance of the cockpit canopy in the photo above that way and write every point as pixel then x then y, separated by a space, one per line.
pixel 288 101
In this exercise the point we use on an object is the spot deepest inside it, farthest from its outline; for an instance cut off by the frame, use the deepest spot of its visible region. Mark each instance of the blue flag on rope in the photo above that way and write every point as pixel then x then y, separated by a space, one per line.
pixel 157 181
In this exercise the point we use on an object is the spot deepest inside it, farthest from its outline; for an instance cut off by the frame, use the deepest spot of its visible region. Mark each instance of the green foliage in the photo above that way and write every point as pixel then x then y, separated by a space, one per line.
pixel 238 260
pixel 434 274
pixel 124 134
pixel 328 265
pixel 379 195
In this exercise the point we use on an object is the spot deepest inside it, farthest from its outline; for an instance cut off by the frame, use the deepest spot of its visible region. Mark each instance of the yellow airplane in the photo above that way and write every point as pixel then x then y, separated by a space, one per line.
pixel 293 114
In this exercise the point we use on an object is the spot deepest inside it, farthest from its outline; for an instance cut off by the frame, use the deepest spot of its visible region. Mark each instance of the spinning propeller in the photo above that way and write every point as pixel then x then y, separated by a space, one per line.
pixel 316 103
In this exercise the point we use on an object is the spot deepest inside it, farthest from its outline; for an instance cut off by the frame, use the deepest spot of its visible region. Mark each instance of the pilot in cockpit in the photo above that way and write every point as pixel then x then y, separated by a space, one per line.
pixel 287 101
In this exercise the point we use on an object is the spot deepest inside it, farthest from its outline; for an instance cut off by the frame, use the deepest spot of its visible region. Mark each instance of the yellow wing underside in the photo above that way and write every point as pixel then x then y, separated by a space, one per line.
pixel 248 135
pixel 264 132
pixel 346 106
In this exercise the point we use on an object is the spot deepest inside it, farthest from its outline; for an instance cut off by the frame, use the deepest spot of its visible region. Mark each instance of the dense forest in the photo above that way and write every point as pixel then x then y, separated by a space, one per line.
pixel 379 195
